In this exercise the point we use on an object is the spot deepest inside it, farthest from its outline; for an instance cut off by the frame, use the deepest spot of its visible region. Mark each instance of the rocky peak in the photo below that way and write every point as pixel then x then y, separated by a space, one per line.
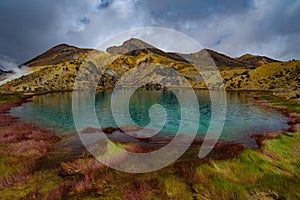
pixel 130 45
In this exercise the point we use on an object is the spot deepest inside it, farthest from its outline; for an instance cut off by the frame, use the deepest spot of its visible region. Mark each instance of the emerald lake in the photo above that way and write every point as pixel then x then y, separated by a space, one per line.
pixel 54 111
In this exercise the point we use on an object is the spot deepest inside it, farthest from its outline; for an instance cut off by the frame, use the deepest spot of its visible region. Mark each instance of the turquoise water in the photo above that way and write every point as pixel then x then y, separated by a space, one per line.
pixel 54 111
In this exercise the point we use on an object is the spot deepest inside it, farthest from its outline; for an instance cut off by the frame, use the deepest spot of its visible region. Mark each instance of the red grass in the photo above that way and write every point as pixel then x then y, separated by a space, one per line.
pixel 294 118
pixel 80 166
pixel 90 183
pixel 29 148
pixel 22 175
pixel 12 180
pixel 84 185
pixel 16 133
pixel 142 189
pixel 60 191
pixel 90 169
pixel 227 150
pixel 137 148
pixel 7 120
pixel 260 138
pixel 25 142
pixel 5 107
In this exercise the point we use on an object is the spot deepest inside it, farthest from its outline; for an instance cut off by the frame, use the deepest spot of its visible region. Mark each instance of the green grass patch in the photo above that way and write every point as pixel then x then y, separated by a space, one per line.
pixel 7 98
pixel 177 188
pixel 272 170
pixel 38 186
pixel 290 105
pixel 6 167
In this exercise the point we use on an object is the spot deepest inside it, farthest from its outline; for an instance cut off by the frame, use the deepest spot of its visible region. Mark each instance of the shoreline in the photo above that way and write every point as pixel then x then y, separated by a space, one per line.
pixel 75 173
pixel 294 117
pixel 34 93
pixel 293 122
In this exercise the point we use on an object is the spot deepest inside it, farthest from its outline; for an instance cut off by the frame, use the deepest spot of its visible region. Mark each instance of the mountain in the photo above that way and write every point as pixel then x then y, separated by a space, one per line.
pixel 128 46
pixel 134 47
pixel 57 54
pixel 214 58
pixel 57 69
pixel 255 60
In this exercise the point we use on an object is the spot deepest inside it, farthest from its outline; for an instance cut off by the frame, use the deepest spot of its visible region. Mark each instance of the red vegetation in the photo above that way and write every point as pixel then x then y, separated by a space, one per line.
pixel 13 179
pixel 294 118
pixel 60 191
pixel 224 151
pixel 92 174
pixel 17 133
pixel 29 148
pixel 80 166
pixel 21 175
pixel 143 189
pixel 5 107
pixel 260 138
pixel 7 120
pixel 138 148
pixel 25 143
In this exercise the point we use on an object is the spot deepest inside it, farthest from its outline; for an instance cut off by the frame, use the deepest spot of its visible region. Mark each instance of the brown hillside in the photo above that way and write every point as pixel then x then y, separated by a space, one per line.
pixel 58 54
pixel 134 47
pixel 255 60
pixel 210 57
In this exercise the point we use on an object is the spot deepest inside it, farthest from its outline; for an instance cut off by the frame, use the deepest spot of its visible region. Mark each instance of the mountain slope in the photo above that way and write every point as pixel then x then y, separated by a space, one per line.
pixel 255 60
pixel 207 56
pixel 58 54
pixel 128 46
pixel 134 47
pixel 204 57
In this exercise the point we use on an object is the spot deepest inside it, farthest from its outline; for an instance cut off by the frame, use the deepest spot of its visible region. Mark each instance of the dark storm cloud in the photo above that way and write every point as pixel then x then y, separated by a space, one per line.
pixel 21 24
pixel 282 23
pixel 103 4
pixel 235 27
pixel 31 26
pixel 232 27
pixel 194 9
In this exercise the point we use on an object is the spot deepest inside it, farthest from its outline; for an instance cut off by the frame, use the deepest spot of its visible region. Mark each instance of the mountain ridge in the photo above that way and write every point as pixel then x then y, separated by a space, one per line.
pixel 256 60
pixel 57 68
pixel 57 54
pixel 134 47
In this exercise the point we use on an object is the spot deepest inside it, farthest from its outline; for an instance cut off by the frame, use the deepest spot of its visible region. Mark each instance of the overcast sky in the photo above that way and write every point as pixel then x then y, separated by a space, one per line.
pixel 233 27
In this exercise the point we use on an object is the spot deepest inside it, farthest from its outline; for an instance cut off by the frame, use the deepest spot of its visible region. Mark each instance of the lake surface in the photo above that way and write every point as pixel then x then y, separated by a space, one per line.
pixel 54 111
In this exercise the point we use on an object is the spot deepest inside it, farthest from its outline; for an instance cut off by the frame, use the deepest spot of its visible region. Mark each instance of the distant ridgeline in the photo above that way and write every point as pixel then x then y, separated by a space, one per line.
pixel 57 68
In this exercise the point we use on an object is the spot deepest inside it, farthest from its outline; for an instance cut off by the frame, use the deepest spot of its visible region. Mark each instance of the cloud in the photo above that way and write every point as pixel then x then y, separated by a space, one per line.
pixel 6 63
pixel 232 27
pixel 194 9
pixel 106 21
pixel 29 27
